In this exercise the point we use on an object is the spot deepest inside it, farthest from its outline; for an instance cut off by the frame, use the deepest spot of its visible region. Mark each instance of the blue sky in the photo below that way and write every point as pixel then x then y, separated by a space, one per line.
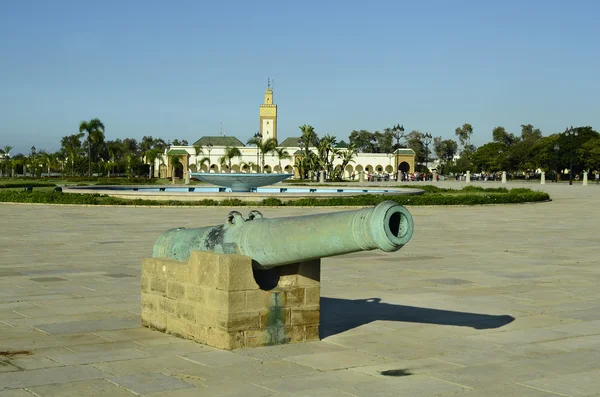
pixel 178 69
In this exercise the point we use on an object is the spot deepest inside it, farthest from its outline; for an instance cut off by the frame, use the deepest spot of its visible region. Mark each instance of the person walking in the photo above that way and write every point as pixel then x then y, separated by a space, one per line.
pixel 597 177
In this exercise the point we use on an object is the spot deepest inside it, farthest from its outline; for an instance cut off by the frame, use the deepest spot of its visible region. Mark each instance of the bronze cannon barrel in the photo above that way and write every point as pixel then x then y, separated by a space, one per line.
pixel 274 242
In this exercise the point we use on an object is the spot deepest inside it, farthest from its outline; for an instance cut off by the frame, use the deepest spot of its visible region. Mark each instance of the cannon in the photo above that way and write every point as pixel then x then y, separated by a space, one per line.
pixel 281 241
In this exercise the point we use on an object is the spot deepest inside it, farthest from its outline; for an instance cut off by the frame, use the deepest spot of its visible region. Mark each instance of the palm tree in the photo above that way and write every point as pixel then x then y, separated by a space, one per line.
pixel 230 153
pixel 95 134
pixel 173 160
pixel 309 137
pixel 151 156
pixel 327 145
pixel 14 163
pixel 198 149
pixel 201 163
pixel 282 154
pixel 263 147
pixel 47 160
pixel 6 151
pixel 347 157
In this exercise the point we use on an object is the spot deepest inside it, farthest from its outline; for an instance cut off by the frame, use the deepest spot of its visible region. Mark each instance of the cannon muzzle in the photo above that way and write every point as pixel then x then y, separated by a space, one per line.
pixel 281 241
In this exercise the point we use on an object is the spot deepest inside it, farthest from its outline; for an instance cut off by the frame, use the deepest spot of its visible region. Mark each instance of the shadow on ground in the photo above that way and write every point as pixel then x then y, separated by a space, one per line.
pixel 339 315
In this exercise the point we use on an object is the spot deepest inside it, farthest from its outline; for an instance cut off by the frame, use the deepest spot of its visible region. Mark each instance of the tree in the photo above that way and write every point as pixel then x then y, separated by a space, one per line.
pixel 6 150
pixel 308 138
pixel 263 147
pixel 591 154
pixel 384 141
pixel 528 132
pixel 230 153
pixel 71 144
pixel 414 140
pixel 95 135
pixel 47 160
pixel 327 146
pixel 363 141
pixel 464 134
pixel 198 149
pixel 445 150
pixel 500 135
pixel 490 157
pixel 151 156
pixel 347 156
pixel 282 154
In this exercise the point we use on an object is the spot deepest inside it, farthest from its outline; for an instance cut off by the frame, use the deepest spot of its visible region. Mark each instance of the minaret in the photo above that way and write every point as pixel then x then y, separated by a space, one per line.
pixel 268 115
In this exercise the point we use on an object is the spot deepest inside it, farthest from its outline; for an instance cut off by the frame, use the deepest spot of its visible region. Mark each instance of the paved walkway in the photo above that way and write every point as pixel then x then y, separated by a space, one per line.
pixel 484 301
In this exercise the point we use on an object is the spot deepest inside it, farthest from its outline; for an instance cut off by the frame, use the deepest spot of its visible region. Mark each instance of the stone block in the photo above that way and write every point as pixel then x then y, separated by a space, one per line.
pixel 180 327
pixel 146 282
pixel 196 294
pixel 257 300
pixel 149 302
pixel 167 305
pixel 185 310
pixel 156 321
pixel 306 316
pixel 175 290
pixel 239 321
pixel 294 297
pixel 158 286
pixel 312 296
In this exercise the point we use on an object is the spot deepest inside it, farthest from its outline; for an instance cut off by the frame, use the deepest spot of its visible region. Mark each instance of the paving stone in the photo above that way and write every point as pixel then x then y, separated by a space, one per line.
pixel 503 391
pixel 48 279
pixel 336 360
pixel 577 384
pixel 316 380
pixel 87 388
pixel 105 355
pixel 165 364
pixel 216 358
pixel 411 367
pixel 76 327
pixel 150 383
pixel 413 386
pixel 15 393
pixel 39 377
pixel 491 374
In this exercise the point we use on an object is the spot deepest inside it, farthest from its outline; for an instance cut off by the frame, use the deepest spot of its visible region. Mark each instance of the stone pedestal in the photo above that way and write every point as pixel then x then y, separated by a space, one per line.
pixel 503 176
pixel 321 176
pixel 434 176
pixel 187 178
pixel 216 300
pixel 543 178
pixel 468 177
pixel 585 177
pixel 361 176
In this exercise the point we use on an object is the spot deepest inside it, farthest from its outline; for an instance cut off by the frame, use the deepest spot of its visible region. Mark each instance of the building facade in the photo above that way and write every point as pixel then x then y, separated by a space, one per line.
pixel 206 154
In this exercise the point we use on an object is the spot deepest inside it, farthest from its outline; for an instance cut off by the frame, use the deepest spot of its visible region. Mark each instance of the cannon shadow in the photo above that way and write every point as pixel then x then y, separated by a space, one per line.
pixel 339 315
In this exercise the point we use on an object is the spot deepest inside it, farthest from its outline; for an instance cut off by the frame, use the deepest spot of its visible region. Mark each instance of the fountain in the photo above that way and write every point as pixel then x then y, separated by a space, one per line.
pixel 241 182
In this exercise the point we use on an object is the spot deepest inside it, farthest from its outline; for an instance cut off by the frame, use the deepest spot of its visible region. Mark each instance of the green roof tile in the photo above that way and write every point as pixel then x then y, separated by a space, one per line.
pixel 219 141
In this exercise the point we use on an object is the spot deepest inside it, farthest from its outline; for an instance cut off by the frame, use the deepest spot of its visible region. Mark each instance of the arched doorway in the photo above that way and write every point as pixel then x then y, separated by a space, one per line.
pixel 404 167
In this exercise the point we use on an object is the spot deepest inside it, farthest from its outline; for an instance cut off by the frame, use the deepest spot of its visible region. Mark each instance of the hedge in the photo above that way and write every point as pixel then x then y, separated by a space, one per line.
pixel 513 196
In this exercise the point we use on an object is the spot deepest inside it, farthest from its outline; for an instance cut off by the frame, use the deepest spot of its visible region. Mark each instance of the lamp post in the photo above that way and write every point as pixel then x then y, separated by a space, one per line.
pixel 556 149
pixel 427 142
pixel 258 136
pixel 571 133
pixel 398 131
pixel 209 147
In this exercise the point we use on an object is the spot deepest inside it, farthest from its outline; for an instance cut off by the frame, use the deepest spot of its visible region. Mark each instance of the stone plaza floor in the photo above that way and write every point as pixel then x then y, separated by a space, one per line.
pixel 484 301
